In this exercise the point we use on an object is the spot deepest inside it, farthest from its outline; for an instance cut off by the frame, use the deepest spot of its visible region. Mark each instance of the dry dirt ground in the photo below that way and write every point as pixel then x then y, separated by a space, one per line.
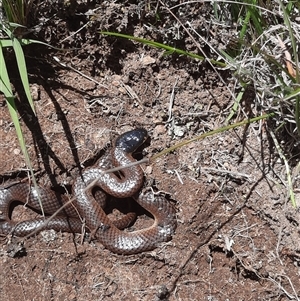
pixel 237 235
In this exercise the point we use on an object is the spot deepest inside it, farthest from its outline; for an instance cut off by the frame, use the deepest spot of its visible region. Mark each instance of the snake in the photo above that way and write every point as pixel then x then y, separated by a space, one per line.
pixel 89 206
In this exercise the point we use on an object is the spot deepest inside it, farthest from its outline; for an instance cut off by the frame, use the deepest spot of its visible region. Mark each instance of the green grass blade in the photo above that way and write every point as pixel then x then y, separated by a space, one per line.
pixel 245 26
pixel 256 19
pixel 293 94
pixel 6 43
pixel 5 88
pixel 22 70
pixel 217 131
pixel 235 106
pixel 25 42
pixel 162 46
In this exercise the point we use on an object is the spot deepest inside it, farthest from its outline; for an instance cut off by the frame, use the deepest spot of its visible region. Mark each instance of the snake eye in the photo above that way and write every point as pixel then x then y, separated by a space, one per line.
pixel 131 140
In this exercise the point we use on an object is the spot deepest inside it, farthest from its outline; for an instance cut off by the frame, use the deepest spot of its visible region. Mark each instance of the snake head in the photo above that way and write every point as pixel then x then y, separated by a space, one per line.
pixel 131 140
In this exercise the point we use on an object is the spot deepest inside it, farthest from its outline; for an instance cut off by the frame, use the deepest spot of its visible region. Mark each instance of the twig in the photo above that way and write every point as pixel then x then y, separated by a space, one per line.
pixel 233 174
pixel 290 296
pixel 80 73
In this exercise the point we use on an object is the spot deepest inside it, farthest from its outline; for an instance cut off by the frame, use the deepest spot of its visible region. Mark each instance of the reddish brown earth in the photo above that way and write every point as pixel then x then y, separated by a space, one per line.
pixel 237 235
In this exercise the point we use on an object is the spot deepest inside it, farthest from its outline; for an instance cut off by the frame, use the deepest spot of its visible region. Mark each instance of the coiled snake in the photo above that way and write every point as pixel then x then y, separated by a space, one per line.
pixel 85 203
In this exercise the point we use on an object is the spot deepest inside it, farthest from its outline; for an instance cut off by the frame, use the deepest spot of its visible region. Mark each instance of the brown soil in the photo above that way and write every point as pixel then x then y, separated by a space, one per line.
pixel 237 235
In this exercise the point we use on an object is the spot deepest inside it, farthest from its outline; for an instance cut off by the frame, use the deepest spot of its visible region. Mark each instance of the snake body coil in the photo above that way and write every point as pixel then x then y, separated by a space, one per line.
pixel 109 233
